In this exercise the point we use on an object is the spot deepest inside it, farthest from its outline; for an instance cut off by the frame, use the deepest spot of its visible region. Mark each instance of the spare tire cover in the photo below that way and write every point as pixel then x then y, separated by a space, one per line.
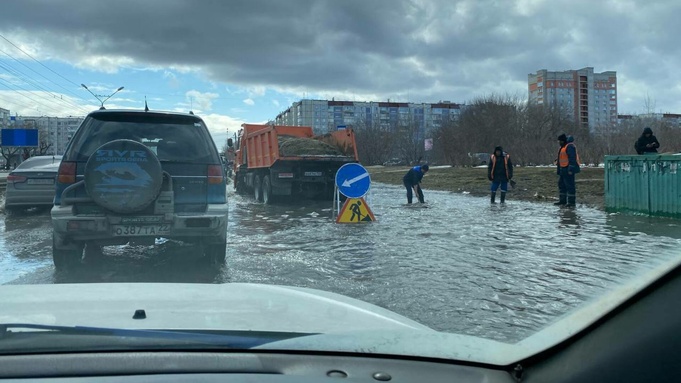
pixel 123 176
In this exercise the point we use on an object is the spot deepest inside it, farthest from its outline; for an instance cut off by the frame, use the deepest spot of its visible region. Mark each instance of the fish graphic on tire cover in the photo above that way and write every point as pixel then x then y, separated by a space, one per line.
pixel 122 178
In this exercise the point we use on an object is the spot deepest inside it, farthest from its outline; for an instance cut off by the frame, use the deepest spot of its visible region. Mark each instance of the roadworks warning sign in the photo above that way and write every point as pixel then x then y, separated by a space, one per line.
pixel 355 210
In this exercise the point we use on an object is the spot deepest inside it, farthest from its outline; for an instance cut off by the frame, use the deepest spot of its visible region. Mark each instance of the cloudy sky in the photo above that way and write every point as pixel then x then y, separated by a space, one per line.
pixel 246 61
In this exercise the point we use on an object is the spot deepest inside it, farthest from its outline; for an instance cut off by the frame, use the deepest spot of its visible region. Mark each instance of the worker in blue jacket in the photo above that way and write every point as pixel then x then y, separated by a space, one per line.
pixel 412 181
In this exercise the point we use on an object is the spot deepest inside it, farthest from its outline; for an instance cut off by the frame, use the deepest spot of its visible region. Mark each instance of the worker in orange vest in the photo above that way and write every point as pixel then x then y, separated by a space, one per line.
pixel 568 166
pixel 500 172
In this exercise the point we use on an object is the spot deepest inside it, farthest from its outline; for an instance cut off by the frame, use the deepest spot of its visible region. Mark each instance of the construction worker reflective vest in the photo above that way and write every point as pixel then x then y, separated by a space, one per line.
pixel 494 164
pixel 563 160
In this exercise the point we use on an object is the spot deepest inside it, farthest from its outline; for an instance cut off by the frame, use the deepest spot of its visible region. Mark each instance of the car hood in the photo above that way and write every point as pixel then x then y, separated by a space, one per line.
pixel 236 306
pixel 339 323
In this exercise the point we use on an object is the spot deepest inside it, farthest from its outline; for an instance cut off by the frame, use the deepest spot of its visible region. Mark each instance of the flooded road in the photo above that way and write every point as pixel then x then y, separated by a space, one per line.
pixel 461 265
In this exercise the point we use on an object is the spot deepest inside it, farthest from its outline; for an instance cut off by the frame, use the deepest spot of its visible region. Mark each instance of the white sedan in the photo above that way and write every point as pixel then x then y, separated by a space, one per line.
pixel 31 184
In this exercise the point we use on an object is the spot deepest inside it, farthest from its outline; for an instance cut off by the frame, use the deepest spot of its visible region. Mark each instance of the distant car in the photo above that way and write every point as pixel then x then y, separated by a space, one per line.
pixel 136 176
pixel 394 162
pixel 478 159
pixel 31 184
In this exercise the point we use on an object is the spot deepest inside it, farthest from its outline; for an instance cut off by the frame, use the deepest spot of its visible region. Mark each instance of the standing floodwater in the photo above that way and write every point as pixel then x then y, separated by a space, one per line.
pixel 459 265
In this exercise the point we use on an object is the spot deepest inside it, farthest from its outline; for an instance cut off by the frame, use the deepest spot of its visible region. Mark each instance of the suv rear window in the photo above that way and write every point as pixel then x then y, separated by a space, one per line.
pixel 173 138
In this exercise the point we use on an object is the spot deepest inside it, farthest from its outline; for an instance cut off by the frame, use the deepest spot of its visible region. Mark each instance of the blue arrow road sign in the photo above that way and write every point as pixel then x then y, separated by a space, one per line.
pixel 353 180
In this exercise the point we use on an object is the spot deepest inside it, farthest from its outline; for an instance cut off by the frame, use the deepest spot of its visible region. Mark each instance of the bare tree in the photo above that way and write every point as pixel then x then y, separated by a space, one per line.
pixel 375 145
pixel 529 131
pixel 410 142
pixel 42 149
pixel 8 152
pixel 649 104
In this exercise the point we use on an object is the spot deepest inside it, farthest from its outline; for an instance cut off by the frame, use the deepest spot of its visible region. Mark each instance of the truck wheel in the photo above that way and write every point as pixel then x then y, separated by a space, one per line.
pixel 257 188
pixel 266 190
pixel 239 185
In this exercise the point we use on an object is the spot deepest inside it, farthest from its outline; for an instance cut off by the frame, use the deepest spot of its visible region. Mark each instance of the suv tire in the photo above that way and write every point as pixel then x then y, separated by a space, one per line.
pixel 65 258
pixel 216 253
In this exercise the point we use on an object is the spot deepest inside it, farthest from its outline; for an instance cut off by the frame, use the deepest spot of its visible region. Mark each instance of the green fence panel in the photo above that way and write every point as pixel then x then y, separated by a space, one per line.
pixel 648 184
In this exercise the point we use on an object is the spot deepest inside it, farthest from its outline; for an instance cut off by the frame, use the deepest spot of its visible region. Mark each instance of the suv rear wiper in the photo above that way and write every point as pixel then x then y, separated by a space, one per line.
pixel 231 339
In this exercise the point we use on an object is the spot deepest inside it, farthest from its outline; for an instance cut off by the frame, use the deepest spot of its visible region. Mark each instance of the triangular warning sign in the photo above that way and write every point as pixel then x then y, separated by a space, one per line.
pixel 355 210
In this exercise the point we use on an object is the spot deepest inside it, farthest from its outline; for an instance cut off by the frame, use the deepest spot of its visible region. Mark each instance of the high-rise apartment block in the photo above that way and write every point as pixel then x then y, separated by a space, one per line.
pixel 591 98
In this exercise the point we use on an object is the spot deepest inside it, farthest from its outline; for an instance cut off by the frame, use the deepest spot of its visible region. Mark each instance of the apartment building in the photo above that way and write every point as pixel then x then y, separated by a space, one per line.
pixel 325 116
pixel 589 97
pixel 55 131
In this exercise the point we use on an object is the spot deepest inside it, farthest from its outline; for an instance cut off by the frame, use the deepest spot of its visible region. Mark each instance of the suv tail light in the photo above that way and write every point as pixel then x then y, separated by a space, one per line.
pixel 215 174
pixel 13 178
pixel 67 173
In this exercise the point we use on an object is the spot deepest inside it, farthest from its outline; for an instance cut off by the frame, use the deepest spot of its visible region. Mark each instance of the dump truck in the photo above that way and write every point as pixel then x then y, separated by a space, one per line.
pixel 289 162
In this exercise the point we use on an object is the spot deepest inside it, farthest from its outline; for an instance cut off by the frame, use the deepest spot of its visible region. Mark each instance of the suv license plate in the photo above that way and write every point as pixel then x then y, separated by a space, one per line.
pixel 140 230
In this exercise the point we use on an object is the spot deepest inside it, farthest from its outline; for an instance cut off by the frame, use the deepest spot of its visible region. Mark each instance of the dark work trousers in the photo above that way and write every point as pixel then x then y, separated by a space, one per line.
pixel 410 195
pixel 566 184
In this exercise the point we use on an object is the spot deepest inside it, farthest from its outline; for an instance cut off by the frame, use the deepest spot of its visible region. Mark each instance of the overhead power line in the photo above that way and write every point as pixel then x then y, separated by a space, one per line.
pixel 34 59
pixel 13 71
pixel 6 85
pixel 40 74
pixel 33 83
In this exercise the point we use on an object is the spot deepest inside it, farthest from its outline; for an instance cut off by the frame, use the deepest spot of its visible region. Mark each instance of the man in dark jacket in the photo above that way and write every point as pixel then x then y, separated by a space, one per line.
pixel 500 172
pixel 412 180
pixel 647 143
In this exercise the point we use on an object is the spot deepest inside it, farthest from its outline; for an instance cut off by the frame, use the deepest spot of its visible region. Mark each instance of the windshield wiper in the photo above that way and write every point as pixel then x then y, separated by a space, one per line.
pixel 231 339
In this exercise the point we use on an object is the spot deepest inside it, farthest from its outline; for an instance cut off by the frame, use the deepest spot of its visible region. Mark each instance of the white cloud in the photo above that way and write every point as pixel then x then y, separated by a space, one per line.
pixel 276 103
pixel 249 101
pixel 256 91
pixel 106 64
pixel 201 101
pixel 173 82
pixel 221 127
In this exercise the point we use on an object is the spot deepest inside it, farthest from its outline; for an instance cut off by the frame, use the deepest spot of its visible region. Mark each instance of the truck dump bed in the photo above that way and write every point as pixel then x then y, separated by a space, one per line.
pixel 263 145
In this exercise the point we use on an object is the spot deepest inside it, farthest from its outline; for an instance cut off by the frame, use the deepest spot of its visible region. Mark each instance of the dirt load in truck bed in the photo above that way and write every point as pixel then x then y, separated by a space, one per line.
pixel 290 146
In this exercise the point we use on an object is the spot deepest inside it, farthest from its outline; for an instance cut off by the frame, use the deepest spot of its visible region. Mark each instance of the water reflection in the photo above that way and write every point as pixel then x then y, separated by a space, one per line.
pixel 634 225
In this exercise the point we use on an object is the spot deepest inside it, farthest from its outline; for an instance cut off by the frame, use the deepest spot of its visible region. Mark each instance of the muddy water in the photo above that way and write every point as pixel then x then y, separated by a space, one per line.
pixel 460 265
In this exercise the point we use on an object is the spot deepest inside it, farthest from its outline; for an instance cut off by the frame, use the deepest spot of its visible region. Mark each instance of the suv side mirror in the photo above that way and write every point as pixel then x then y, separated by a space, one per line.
pixel 230 142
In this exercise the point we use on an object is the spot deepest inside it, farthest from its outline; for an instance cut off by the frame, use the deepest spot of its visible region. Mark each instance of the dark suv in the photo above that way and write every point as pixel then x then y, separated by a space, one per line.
pixel 134 176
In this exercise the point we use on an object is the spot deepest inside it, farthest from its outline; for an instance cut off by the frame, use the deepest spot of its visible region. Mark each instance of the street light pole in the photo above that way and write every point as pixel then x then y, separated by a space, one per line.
pixel 98 96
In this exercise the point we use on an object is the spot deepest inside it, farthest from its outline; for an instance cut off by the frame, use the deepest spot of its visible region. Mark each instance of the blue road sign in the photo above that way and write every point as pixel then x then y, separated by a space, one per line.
pixel 353 180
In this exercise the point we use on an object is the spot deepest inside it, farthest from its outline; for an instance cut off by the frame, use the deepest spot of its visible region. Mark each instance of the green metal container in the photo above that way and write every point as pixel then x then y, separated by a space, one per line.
pixel 648 184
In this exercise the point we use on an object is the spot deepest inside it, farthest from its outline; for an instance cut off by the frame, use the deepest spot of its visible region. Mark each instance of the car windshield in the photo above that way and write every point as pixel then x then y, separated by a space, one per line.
pixel 397 177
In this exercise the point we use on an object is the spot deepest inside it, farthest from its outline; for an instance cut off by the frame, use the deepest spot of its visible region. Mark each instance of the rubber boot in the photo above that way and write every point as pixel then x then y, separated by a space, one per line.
pixel 493 197
pixel 571 201
pixel 503 197
pixel 562 200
